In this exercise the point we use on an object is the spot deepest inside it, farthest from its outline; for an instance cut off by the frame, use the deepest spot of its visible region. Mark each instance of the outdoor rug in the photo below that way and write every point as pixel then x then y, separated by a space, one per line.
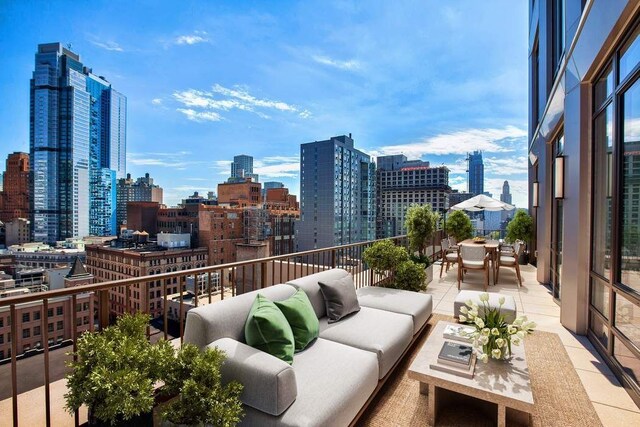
pixel 560 398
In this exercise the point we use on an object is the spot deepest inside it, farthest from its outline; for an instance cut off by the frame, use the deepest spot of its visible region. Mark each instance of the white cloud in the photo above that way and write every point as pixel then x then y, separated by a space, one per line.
pixel 191 39
pixel 156 101
pixel 107 45
pixel 506 165
pixel 350 64
pixel 490 140
pixel 221 98
pixel 200 116
pixel 179 160
pixel 278 167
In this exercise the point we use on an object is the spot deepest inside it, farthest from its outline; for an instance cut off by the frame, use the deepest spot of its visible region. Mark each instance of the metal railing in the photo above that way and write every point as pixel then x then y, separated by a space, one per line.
pixel 105 302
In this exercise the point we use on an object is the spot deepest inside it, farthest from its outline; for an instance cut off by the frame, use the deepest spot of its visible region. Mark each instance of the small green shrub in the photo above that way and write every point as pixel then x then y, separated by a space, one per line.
pixel 384 256
pixel 459 226
pixel 410 276
pixel 115 370
pixel 520 227
pixel 203 400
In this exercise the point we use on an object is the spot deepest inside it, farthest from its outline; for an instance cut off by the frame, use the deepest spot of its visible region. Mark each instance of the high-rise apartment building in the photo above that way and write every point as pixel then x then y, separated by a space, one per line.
pixel 401 183
pixel 14 199
pixel 584 170
pixel 141 190
pixel 476 173
pixel 77 146
pixel 337 194
pixel 241 168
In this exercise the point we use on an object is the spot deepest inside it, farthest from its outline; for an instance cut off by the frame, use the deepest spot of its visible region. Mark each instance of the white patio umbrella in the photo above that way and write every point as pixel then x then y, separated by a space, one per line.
pixel 482 203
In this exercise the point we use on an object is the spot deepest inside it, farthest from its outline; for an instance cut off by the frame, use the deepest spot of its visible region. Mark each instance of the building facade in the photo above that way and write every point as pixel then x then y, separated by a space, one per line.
pixel 584 170
pixel 140 190
pixel 475 166
pixel 77 129
pixel 241 168
pixel 17 231
pixel 14 199
pixel 244 192
pixel 401 183
pixel 337 194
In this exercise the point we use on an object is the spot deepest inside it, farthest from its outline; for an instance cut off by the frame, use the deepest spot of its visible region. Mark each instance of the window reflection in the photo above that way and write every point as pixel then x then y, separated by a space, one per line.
pixel 602 182
pixel 630 55
pixel 628 319
pixel 629 257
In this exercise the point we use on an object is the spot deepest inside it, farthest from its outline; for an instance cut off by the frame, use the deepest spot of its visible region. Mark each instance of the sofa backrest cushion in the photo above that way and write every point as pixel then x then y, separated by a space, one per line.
pixel 309 284
pixel 227 318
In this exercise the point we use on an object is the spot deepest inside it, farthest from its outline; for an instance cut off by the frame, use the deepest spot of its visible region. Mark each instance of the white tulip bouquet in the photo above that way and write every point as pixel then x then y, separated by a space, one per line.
pixel 493 336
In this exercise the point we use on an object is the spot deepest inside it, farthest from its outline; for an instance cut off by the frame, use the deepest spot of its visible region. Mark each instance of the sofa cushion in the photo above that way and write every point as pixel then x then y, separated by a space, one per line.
pixel 382 332
pixel 309 284
pixel 509 308
pixel 301 317
pixel 269 383
pixel 340 297
pixel 268 330
pixel 227 318
pixel 417 305
pixel 334 382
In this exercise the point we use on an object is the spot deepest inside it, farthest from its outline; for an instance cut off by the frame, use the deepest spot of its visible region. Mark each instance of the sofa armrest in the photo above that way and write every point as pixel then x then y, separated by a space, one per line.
pixel 269 383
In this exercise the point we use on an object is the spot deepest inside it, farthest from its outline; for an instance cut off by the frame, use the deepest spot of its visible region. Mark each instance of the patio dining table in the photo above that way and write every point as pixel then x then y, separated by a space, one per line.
pixel 492 248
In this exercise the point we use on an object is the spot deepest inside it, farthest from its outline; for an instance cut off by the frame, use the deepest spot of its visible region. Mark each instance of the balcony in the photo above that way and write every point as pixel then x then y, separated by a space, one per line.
pixel 32 388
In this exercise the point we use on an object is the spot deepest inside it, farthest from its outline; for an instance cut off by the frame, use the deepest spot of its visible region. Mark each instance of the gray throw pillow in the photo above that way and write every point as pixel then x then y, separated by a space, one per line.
pixel 339 297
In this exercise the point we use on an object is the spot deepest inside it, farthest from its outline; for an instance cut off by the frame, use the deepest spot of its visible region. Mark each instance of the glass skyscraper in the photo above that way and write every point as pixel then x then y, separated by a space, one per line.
pixel 476 173
pixel 337 194
pixel 241 168
pixel 77 145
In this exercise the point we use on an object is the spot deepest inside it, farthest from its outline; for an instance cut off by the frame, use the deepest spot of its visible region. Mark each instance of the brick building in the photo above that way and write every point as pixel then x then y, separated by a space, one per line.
pixel 14 200
pixel 179 220
pixel 107 263
pixel 279 199
pixel 143 216
pixel 247 193
pixel 220 230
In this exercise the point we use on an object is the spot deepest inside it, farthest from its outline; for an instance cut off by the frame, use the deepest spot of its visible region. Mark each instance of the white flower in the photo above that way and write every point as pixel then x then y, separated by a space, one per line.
pixel 495 332
pixel 512 330
pixel 484 340
pixel 471 315
pixel 469 303
pixel 484 297
pixel 518 322
pixel 486 332
pixel 500 342
pixel 462 318
pixel 515 341
pixel 464 310
pixel 496 353
pixel 479 322
pixel 501 300
pixel 530 326
pixel 520 335
pixel 484 357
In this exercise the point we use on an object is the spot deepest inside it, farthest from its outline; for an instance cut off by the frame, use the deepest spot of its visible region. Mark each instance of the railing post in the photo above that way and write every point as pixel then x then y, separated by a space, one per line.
pixel 333 258
pixel 263 274
pixel 103 308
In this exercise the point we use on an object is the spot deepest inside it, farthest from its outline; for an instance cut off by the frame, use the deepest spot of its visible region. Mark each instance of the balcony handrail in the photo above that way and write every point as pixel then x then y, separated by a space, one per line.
pixel 102 286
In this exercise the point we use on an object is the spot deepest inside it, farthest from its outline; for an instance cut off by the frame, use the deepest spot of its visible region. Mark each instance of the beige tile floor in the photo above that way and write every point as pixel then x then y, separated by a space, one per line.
pixel 610 400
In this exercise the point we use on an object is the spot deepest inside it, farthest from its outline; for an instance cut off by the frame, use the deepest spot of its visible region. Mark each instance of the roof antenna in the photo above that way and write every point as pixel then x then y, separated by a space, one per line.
pixel 69 46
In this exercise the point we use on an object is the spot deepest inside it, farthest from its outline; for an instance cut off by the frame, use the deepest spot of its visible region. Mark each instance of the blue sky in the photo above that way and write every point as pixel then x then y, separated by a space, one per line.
pixel 208 80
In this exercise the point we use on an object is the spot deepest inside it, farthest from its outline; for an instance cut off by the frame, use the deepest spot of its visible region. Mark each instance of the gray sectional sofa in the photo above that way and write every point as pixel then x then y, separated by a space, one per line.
pixel 331 380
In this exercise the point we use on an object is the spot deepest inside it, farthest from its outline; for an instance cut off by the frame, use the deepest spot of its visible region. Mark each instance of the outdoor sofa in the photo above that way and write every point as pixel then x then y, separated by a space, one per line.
pixel 331 381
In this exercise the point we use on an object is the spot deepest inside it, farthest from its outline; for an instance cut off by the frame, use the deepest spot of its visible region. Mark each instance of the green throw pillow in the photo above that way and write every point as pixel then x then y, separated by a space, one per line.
pixel 267 329
pixel 300 315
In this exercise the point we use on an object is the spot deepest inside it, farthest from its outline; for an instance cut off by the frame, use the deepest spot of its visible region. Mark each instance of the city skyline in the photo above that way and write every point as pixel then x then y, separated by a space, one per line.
pixel 289 79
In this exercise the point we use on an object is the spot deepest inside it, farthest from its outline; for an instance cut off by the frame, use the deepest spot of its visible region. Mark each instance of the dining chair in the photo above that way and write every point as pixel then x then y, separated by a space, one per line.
pixel 453 243
pixel 510 259
pixel 449 255
pixel 473 257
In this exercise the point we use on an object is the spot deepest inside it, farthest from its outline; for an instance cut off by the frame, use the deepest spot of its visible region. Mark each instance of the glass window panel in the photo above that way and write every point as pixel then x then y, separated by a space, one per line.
pixel 630 250
pixel 603 88
pixel 628 319
pixel 602 180
pixel 600 330
pixel 630 363
pixel 630 54
pixel 600 297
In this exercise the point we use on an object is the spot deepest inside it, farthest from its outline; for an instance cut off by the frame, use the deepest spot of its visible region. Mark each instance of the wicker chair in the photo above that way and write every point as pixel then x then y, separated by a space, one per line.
pixel 449 255
pixel 473 258
pixel 510 259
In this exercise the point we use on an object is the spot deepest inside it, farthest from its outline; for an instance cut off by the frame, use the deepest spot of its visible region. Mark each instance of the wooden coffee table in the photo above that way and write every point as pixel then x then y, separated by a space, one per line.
pixel 504 386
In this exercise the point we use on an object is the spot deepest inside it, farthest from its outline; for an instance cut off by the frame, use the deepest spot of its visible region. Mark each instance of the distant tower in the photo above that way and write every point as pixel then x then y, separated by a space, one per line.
pixel 506 197
pixel 241 168
pixel 476 173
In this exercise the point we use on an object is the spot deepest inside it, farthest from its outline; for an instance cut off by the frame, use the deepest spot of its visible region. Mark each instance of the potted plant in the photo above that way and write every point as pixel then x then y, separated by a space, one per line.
pixel 459 226
pixel 520 228
pixel 114 373
pixel 421 222
pixel 194 377
pixel 384 257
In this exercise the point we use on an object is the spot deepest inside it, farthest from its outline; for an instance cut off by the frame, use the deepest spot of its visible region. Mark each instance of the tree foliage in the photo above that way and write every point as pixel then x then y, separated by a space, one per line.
pixel 203 400
pixel 459 226
pixel 421 222
pixel 520 227
pixel 410 276
pixel 384 257
pixel 116 369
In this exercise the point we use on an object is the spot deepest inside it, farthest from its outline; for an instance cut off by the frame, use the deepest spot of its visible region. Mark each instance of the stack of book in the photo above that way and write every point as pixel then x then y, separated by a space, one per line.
pixel 459 332
pixel 456 358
